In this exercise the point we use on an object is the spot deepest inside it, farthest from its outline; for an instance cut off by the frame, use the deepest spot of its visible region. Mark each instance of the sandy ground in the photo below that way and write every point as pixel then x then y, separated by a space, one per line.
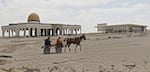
pixel 100 53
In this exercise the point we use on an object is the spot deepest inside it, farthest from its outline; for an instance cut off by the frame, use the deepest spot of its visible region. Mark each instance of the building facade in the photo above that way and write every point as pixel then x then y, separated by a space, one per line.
pixel 120 28
pixel 34 28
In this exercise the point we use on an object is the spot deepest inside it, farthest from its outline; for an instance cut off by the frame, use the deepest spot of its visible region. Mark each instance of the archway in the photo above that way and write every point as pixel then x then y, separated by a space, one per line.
pixel 75 31
pixel 130 29
pixel 6 33
pixel 58 31
pixel 21 32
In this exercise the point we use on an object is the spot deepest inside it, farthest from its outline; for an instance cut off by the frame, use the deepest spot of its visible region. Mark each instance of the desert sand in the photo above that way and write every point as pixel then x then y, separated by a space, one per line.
pixel 128 52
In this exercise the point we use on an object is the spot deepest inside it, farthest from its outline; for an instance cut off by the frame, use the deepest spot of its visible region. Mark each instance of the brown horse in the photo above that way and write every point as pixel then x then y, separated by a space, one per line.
pixel 75 40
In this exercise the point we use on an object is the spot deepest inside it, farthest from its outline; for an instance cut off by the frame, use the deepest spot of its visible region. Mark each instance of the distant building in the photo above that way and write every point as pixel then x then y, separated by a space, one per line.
pixel 34 28
pixel 104 28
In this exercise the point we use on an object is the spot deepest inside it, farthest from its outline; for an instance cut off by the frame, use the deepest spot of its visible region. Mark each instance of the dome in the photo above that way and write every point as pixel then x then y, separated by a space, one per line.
pixel 33 17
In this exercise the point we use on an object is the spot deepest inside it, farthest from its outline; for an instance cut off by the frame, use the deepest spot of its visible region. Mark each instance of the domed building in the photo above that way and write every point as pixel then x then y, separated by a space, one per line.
pixel 34 28
pixel 33 18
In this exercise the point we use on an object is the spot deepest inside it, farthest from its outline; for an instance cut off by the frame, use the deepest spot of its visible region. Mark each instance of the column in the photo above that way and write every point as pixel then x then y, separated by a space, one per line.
pixel 145 30
pixel 29 31
pixel 17 32
pixel 24 32
pixel 41 32
pixel 68 31
pixel 12 32
pixel 63 32
pixel 3 32
pixel 53 32
pixel 75 31
pixel 48 32
pixel 56 31
pixel 45 32
pixel 80 31
pixel 9 32
pixel 38 32
pixel 35 32
pixel 60 32
pixel 71 31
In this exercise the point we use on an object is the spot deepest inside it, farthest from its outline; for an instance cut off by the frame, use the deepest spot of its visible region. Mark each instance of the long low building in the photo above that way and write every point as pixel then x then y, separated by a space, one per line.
pixel 103 27
pixel 34 28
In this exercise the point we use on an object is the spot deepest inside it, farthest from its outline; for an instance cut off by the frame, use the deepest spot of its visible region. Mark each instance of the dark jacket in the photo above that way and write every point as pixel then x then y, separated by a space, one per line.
pixel 47 42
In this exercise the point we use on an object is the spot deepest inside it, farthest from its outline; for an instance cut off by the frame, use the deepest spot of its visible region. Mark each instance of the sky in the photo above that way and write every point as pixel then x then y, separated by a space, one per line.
pixel 87 13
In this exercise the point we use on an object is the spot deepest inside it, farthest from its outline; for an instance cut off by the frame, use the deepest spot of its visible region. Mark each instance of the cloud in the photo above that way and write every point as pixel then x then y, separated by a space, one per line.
pixel 77 3
pixel 80 3
pixel 87 13
pixel 131 9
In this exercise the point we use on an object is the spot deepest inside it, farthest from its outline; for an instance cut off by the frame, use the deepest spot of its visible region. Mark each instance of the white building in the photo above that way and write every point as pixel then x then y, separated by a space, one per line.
pixel 120 28
pixel 34 28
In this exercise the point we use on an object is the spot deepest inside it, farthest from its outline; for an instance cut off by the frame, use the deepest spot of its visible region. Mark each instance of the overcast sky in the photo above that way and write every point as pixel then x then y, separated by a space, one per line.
pixel 87 13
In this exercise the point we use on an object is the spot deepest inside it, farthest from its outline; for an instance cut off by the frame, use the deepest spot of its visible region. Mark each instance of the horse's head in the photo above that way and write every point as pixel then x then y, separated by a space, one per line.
pixel 83 36
pixel 66 39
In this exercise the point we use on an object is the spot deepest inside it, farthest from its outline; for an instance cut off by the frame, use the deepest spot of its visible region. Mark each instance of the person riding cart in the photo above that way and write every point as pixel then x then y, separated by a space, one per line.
pixel 59 45
pixel 47 46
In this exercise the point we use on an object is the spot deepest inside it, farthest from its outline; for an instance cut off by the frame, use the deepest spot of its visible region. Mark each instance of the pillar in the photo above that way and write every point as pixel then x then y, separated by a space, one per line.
pixel 24 32
pixel 48 32
pixel 71 31
pixel 3 32
pixel 60 32
pixel 45 32
pixel 35 32
pixel 12 32
pixel 68 31
pixel 38 32
pixel 41 32
pixel 29 31
pixel 56 32
pixel 17 32
pixel 80 31
pixel 145 30
pixel 9 32
pixel 63 32
pixel 53 32
pixel 75 31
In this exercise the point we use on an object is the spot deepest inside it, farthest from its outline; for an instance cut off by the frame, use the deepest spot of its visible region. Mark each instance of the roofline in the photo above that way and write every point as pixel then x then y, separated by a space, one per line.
pixel 129 25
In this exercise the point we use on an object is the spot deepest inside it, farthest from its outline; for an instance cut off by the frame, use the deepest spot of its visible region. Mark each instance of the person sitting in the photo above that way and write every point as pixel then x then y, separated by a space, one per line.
pixel 59 45
pixel 47 46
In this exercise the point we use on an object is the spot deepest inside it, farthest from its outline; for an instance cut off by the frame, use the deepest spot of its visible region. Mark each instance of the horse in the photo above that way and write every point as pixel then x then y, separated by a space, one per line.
pixel 75 40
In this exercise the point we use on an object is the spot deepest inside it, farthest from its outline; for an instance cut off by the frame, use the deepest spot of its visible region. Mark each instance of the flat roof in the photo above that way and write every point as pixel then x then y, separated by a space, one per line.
pixel 43 24
pixel 128 25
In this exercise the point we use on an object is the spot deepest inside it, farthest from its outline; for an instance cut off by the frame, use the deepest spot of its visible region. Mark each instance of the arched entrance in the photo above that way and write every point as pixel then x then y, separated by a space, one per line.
pixel 58 31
